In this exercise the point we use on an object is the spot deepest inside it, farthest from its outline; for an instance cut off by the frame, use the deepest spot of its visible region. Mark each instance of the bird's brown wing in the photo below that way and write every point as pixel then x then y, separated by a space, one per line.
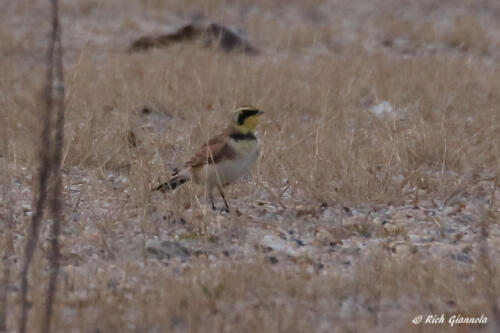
pixel 215 150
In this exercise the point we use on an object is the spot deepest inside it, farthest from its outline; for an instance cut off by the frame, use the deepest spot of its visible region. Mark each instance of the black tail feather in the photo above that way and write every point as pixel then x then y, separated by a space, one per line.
pixel 176 181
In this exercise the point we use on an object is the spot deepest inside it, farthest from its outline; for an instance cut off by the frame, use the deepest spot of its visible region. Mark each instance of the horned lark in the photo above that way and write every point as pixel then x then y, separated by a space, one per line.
pixel 224 158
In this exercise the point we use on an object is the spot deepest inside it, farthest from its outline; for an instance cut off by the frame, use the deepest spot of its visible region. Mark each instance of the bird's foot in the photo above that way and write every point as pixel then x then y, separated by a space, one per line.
pixel 220 210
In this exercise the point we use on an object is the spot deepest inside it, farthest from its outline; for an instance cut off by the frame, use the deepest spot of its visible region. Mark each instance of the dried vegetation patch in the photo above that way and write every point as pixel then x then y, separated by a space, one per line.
pixel 378 174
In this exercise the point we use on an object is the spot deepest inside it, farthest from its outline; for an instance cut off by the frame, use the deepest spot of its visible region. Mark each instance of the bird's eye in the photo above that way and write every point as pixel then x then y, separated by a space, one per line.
pixel 241 118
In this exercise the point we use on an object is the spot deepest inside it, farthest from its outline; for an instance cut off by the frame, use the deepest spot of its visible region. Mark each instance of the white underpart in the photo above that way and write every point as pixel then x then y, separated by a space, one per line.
pixel 228 171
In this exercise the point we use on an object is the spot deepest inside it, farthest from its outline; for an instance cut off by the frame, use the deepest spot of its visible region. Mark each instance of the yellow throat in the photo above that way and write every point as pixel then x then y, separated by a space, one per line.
pixel 248 125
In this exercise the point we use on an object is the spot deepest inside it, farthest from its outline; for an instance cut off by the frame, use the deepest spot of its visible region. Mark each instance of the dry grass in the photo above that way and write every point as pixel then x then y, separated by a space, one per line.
pixel 323 150
pixel 253 297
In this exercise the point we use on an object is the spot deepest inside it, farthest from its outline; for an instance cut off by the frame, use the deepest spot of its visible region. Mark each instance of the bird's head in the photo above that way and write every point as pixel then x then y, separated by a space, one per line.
pixel 245 119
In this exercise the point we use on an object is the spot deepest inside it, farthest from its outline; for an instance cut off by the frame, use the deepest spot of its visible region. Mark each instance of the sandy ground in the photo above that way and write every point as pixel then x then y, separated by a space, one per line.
pixel 377 178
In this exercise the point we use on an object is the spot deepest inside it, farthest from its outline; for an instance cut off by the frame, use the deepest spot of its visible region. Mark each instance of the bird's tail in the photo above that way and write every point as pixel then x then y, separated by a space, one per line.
pixel 178 178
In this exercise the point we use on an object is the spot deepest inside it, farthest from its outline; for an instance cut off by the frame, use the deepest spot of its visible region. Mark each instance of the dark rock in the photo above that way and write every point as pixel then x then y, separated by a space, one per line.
pixel 462 257
pixel 185 33
pixel 449 230
pixel 298 242
pixel 213 34
pixel 166 249
pixel 227 39
pixel 346 262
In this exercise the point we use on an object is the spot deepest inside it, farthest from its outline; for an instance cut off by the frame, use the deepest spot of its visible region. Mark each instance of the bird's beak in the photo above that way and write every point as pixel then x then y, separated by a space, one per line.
pixel 260 112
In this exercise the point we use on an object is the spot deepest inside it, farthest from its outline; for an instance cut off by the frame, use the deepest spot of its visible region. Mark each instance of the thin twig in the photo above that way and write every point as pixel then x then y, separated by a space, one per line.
pixel 55 204
pixel 50 157
pixel 8 244
pixel 43 179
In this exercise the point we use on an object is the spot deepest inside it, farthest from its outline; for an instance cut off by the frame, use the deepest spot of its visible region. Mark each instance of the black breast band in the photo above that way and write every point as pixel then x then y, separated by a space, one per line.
pixel 240 136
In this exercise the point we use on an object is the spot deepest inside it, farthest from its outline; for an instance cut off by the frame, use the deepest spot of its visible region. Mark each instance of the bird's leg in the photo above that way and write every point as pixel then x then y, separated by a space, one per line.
pixel 223 198
pixel 211 198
